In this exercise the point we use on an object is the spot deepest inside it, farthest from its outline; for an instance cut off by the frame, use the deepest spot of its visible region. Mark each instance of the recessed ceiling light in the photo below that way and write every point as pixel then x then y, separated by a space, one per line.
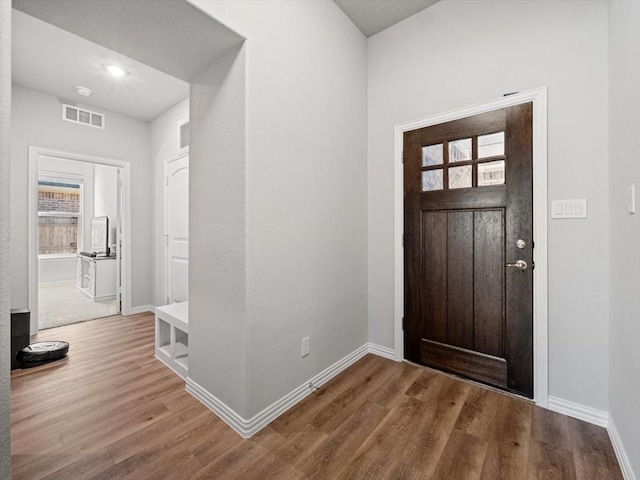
pixel 115 70
pixel 83 91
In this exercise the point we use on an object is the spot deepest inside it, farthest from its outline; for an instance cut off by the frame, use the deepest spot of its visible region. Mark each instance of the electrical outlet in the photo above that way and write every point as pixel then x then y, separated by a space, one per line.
pixel 305 346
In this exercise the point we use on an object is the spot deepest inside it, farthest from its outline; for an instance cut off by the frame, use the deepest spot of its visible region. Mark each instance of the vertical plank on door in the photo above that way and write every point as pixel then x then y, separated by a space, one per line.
pixel 488 285
pixel 434 269
pixel 519 225
pixel 460 279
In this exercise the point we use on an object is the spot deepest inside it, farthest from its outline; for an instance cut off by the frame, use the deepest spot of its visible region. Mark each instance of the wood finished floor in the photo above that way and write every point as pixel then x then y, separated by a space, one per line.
pixel 111 410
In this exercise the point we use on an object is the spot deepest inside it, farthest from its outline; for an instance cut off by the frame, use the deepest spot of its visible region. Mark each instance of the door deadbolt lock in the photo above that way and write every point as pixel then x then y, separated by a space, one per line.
pixel 520 265
pixel 521 244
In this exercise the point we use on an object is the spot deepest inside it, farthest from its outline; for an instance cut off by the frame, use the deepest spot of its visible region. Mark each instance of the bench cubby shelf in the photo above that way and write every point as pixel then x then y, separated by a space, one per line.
pixel 172 337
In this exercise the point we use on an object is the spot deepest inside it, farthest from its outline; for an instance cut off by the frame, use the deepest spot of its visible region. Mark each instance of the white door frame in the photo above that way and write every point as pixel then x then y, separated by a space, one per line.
pixel 125 259
pixel 538 97
pixel 165 234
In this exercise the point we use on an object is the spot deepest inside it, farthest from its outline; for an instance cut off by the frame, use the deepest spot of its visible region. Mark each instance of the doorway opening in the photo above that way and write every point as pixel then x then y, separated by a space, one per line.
pixel 78 204
pixel 537 97
pixel 75 200
pixel 467 212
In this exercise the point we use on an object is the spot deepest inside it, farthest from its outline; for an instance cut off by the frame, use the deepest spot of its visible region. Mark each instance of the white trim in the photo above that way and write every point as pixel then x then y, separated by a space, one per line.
pixel 70 283
pixel 177 156
pixel 60 214
pixel 103 298
pixel 34 157
pixel 540 280
pixel 164 358
pixel 247 428
pixel 141 309
pixel 71 178
pixel 227 414
pixel 381 351
pixel 621 454
pixel 57 257
pixel 579 411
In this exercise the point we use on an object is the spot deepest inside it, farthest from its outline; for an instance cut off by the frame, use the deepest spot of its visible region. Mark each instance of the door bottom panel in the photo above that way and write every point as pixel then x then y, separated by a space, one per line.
pixel 478 366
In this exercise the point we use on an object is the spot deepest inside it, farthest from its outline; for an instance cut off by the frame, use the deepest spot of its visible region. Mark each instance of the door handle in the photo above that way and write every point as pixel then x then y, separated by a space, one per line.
pixel 520 265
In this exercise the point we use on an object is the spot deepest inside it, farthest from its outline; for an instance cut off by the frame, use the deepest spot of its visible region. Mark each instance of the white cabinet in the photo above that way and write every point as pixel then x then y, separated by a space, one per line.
pixel 96 277
pixel 172 337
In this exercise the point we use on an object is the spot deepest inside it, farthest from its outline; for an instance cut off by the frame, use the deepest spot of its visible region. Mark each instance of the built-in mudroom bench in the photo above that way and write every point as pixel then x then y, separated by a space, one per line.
pixel 172 337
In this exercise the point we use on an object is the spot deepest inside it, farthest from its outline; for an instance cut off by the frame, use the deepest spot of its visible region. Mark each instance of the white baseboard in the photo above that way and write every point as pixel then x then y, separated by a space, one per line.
pixel 579 411
pixel 163 358
pixel 141 309
pixel 217 406
pixel 621 454
pixel 247 428
pixel 597 417
pixel 381 351
pixel 57 284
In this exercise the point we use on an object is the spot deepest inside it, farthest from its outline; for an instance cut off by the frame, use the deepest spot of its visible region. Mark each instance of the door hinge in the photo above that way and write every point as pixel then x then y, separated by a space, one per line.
pixel 403 157
pixel 404 323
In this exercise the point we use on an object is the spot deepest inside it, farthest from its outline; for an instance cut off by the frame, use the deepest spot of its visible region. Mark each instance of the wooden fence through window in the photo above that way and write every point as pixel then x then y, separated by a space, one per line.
pixel 57 235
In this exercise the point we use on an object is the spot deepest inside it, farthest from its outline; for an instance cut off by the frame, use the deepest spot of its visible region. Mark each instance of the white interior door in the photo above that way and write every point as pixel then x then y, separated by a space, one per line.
pixel 177 228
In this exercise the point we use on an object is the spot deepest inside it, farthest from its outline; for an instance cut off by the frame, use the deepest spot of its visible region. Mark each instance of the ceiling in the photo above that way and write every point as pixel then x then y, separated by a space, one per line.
pixel 54 49
pixel 79 37
pixel 51 60
pixel 373 16
pixel 172 36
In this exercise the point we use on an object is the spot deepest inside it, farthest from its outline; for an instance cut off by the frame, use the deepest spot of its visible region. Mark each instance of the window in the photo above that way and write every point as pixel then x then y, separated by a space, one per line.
pixel 477 161
pixel 58 217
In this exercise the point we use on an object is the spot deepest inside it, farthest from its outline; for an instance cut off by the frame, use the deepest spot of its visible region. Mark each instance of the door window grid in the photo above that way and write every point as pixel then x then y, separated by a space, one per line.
pixel 470 162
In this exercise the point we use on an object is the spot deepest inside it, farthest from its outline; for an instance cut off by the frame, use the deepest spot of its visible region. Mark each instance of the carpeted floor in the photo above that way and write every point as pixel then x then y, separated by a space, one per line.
pixel 64 304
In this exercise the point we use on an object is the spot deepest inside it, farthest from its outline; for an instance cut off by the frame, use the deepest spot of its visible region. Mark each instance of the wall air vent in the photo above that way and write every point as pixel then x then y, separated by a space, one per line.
pixel 80 115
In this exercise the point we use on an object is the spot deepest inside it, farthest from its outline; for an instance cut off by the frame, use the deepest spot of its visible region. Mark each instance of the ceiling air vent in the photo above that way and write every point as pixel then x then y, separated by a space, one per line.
pixel 80 115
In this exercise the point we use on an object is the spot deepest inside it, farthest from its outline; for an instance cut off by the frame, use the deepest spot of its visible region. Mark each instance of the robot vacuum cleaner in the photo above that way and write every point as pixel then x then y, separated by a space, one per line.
pixel 41 353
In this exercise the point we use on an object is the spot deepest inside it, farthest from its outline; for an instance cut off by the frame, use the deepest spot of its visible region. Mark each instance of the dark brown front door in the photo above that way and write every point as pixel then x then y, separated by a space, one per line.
pixel 469 247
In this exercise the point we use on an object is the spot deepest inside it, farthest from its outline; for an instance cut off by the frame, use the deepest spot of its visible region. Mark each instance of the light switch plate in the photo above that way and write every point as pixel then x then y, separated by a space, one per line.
pixel 576 208
pixel 632 199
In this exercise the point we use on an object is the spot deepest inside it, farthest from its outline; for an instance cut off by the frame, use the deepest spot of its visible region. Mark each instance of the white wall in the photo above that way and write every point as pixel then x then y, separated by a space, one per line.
pixel 459 53
pixel 105 195
pixel 37 121
pixel 5 297
pixel 624 170
pixel 165 143
pixel 57 270
pixel 217 228
pixel 306 171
